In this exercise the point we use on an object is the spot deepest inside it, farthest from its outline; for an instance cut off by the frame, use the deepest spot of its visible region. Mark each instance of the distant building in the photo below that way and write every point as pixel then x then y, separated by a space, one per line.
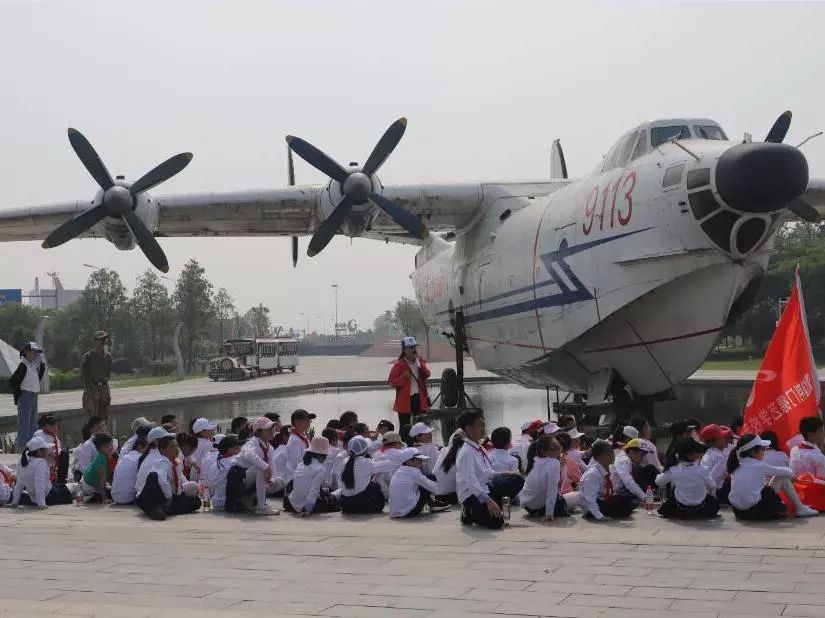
pixel 56 297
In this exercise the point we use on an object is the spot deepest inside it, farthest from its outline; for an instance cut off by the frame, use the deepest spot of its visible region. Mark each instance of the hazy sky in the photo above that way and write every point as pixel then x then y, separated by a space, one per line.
pixel 486 87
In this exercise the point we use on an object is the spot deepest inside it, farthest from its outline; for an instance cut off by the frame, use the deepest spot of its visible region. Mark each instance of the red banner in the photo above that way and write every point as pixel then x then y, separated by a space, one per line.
pixel 786 388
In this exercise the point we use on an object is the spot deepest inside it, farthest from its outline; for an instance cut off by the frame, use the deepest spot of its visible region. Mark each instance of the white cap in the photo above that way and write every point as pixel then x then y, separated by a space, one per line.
pixel 533 423
pixel 156 433
pixel 36 443
pixel 411 453
pixel 574 434
pixel 141 421
pixel 419 428
pixel 217 438
pixel 202 424
pixel 357 445
pixel 630 432
pixel 551 428
pixel 408 342
pixel 757 441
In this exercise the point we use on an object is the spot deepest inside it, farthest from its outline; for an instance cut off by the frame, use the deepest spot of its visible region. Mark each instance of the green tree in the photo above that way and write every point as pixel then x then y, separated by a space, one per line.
pixel 258 318
pixel 408 317
pixel 193 305
pixel 224 309
pixel 153 314
pixel 385 326
pixel 18 323
pixel 104 306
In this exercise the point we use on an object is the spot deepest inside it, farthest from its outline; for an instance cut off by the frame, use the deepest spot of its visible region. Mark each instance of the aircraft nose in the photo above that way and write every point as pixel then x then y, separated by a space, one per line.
pixel 761 177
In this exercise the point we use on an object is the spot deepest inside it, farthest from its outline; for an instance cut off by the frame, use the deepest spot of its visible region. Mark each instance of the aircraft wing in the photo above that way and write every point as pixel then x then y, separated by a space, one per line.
pixel 279 212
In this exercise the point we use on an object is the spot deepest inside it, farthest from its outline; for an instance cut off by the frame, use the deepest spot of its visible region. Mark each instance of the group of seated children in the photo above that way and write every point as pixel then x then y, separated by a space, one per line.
pixel 351 469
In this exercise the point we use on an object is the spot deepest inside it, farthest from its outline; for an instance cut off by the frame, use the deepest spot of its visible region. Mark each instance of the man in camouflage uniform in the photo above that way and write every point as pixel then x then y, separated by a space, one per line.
pixel 95 370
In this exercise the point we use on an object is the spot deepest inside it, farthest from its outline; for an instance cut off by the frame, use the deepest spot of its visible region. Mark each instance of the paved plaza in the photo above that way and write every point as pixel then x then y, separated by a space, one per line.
pixel 93 560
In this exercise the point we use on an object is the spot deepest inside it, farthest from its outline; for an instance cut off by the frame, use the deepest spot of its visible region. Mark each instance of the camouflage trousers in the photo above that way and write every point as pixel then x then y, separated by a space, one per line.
pixel 96 400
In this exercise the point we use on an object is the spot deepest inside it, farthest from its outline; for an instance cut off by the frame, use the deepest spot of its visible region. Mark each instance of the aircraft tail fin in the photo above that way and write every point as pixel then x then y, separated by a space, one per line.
pixel 558 166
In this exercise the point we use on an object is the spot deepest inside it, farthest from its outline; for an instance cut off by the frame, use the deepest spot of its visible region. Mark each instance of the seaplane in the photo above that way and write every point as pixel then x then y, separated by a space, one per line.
pixel 617 281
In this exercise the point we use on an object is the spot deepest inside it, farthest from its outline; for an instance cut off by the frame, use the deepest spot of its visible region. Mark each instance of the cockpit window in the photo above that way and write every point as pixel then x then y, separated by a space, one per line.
pixel 709 131
pixel 660 135
pixel 626 148
pixel 641 146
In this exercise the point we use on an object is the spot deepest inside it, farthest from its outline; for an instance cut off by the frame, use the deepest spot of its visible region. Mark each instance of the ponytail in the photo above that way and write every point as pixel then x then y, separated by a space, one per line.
pixel 733 462
pixel 348 475
pixel 531 456
pixel 146 454
pixel 452 454
pixel 307 458
pixel 24 459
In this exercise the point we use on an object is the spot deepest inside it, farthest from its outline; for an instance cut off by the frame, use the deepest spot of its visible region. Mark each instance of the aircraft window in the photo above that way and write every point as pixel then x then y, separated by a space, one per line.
pixel 625 149
pixel 660 135
pixel 673 176
pixel 641 146
pixel 709 131
pixel 718 227
pixel 698 178
pixel 702 203
pixel 610 158
pixel 749 234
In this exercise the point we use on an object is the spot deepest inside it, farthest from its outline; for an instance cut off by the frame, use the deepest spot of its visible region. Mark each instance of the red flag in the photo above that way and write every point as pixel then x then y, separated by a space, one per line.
pixel 787 385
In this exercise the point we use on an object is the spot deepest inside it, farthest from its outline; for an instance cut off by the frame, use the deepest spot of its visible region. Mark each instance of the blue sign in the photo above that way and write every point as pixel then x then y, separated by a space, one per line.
pixel 11 296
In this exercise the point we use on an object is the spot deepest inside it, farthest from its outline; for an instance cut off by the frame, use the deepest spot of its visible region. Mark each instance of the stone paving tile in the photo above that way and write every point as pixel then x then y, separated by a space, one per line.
pixel 682 593
pixel 756 609
pixel 817 611
pixel 607 601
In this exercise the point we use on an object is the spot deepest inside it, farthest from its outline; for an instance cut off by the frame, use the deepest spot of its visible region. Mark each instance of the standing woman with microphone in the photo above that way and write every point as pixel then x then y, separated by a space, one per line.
pixel 409 378
pixel 25 386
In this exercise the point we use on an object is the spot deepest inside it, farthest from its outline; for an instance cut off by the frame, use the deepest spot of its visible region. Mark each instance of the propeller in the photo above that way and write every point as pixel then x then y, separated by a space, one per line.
pixel 356 186
pixel 290 174
pixel 118 201
pixel 780 128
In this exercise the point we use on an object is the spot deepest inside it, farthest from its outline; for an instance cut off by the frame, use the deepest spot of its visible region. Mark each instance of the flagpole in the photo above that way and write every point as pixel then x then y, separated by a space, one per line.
pixel 815 373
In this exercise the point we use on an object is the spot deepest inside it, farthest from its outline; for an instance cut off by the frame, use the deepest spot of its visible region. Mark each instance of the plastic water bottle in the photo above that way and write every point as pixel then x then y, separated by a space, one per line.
pixel 649 501
pixel 78 495
pixel 207 499
pixel 505 510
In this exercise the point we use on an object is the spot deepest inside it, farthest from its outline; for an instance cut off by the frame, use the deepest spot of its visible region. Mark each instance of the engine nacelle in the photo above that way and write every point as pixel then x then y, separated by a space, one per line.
pixel 361 216
pixel 115 229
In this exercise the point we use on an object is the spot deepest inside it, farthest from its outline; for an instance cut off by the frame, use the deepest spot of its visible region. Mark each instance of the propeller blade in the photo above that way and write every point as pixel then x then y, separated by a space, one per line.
pixel 74 227
pixel 290 167
pixel 91 161
pixel 316 158
pixel 385 146
pixel 804 211
pixel 780 128
pixel 161 173
pixel 147 242
pixel 294 251
pixel 402 217
pixel 329 227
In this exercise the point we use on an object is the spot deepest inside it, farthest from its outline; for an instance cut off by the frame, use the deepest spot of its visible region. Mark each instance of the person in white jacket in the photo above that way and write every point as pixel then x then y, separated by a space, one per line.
pixel 33 475
pixel 750 498
pixel 421 436
pixel 161 488
pixel 540 495
pixel 258 457
pixel 204 430
pixel 715 459
pixel 410 490
pixel 360 493
pixel 694 491
pixel 309 494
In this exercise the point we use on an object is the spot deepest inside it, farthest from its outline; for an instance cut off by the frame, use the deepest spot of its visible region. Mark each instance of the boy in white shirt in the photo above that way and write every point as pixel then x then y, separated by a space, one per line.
pixel 599 489
pixel 125 475
pixel 227 455
pixel 501 459
pixel 85 452
pixel 410 490
pixel 529 431
pixel 298 442
pixel 715 459
pixel 204 431
pixel 160 487
pixel 807 456
pixel 421 435
pixel 258 457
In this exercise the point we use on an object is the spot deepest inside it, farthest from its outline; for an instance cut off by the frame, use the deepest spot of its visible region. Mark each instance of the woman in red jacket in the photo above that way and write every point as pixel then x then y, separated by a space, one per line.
pixel 409 377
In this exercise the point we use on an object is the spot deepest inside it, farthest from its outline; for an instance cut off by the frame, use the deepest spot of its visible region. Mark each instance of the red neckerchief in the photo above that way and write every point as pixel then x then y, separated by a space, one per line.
pixel 56 446
pixel 175 478
pixel 264 449
pixel 608 486
pixel 302 437
pixel 807 447
pixel 6 476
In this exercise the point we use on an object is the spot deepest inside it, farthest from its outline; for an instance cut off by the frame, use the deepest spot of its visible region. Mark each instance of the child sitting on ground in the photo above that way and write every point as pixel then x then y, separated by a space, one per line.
pixel 501 459
pixel 571 474
pixel 390 453
pixel 58 458
pixel 228 450
pixel 308 493
pixel 807 456
pixel 280 458
pixel 599 490
pixel 333 462
pixel 258 458
pixel 750 498
pixel 421 437
pixel 410 490
pixel 298 442
pixel 140 423
pixel 540 495
pixel 360 494
pixel 125 475
pixel 774 456
pixel 33 485
pixel 694 491
pixel 634 477
pixel 160 488
pixel 96 475
pixel 204 432
pixel 715 459
pixel 170 423
pixel 187 444
pixel 85 451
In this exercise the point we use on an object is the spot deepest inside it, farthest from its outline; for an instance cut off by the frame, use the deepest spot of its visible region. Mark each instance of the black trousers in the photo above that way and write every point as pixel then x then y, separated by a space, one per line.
pixel 62 464
pixel 723 492
pixel 423 500
pixel 673 509
pixel 560 509
pixel 58 494
pixel 451 498
pixel 618 506
pixel 501 486
pixel 645 476
pixel 152 498
pixel 770 506
pixel 369 501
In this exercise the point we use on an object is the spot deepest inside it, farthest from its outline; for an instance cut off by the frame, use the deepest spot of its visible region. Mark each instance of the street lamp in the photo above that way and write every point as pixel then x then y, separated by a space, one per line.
pixel 335 325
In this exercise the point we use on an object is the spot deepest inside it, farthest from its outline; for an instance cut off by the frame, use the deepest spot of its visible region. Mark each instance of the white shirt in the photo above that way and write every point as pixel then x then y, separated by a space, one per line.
pixel 128 445
pixel 34 478
pixel 208 464
pixel 295 448
pixel 651 456
pixel 445 480
pixel 778 459
pixel 414 369
pixel 216 480
pixel 156 462
pixel 520 445
pixel 432 451
pixel 503 461
pixel 404 490
pixel 748 480
pixel 256 453
pixel 83 455
pixel 196 458
pixel 576 455
pixel 716 463
pixel 691 482
pixel 5 489
pixel 330 464
pixel 592 487
pixel 389 459
pixel 53 452
pixel 473 472
pixel 31 381
pixel 363 471
pixel 624 470
pixel 810 460
pixel 125 477
pixel 306 485
pixel 541 488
